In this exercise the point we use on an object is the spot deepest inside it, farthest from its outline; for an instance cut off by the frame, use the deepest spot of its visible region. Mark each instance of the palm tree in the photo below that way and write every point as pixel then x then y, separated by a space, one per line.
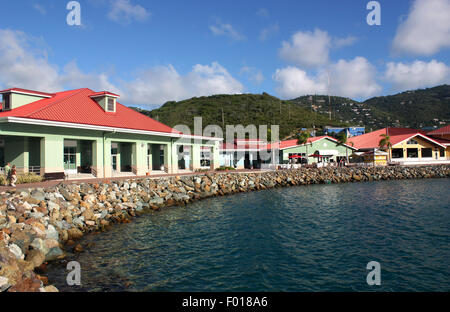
pixel 384 143
pixel 343 141
pixel 302 139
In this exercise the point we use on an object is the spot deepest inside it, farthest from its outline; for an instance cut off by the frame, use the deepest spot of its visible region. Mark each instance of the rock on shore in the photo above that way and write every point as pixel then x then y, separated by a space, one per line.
pixel 37 225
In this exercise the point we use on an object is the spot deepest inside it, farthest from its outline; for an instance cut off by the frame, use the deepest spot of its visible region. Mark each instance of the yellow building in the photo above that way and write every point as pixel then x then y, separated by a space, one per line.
pixel 443 136
pixel 407 147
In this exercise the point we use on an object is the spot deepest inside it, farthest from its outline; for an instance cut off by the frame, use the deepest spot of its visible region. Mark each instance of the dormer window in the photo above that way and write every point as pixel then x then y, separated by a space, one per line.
pixel 7 101
pixel 106 100
pixel 15 97
pixel 111 105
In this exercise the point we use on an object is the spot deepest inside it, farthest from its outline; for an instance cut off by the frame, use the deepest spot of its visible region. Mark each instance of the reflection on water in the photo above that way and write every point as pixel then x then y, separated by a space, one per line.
pixel 310 238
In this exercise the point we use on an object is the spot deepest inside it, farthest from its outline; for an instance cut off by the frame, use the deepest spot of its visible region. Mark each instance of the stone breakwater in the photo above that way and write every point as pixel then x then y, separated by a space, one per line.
pixel 38 225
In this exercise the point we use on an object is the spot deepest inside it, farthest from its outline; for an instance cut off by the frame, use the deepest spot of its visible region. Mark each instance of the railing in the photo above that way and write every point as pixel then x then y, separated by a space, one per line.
pixel 94 172
pixel 21 170
pixel 35 170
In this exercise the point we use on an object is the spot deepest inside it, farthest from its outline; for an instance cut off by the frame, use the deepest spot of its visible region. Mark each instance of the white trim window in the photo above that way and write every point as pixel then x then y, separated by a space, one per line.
pixel 6 101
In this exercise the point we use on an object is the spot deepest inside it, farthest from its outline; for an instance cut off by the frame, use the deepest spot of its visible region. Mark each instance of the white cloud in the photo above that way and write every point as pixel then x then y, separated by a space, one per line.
pixel 344 42
pixel 312 49
pixel 355 78
pixel 255 75
pixel 293 82
pixel 223 29
pixel 418 74
pixel 24 67
pixel 40 8
pixel 307 48
pixel 160 84
pixel 73 77
pixel 21 66
pixel 426 30
pixel 124 12
pixel 268 32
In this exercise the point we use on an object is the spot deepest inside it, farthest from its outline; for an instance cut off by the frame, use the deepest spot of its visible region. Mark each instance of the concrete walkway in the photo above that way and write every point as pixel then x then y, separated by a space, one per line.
pixel 52 183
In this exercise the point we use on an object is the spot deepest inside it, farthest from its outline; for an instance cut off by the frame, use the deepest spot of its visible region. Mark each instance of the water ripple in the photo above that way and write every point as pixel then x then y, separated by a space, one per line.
pixel 311 238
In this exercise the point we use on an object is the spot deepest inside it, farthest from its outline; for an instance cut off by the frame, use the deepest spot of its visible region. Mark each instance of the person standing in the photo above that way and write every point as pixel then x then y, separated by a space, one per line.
pixel 7 173
pixel 13 176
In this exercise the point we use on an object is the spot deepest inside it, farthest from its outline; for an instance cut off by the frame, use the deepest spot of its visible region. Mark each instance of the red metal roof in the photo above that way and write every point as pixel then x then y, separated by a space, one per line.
pixel 26 91
pixel 293 143
pixel 372 139
pixel 103 93
pixel 77 106
pixel 441 131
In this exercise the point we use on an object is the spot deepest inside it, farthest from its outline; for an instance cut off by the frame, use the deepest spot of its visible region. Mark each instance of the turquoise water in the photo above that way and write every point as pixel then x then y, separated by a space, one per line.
pixel 309 238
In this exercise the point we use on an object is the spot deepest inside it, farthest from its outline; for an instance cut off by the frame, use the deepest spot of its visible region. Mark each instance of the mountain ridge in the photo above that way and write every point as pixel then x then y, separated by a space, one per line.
pixel 414 108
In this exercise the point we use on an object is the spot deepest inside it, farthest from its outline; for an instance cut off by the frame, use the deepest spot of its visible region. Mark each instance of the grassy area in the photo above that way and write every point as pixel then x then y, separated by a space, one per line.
pixel 23 179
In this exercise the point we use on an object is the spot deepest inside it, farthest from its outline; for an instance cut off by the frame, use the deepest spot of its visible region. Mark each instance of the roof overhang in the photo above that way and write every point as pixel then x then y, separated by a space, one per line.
pixel 27 92
pixel 324 138
pixel 422 136
pixel 40 122
pixel 103 94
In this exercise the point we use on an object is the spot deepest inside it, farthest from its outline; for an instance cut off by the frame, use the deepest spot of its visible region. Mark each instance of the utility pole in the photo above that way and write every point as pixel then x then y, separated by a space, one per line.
pixel 329 97
pixel 223 120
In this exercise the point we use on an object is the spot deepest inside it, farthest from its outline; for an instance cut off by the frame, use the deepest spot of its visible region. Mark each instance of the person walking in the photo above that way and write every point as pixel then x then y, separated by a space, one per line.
pixel 13 176
pixel 8 173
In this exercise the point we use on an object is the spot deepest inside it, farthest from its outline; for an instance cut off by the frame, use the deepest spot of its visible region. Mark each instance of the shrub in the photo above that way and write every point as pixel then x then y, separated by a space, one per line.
pixel 225 168
pixel 29 178
pixel 201 170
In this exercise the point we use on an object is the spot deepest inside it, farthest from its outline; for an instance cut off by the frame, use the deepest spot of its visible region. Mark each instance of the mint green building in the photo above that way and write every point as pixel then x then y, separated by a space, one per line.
pixel 323 149
pixel 89 134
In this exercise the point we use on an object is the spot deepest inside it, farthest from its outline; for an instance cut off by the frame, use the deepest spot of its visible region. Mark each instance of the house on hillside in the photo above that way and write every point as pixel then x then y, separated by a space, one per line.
pixel 82 133
pixel 408 147
pixel 349 131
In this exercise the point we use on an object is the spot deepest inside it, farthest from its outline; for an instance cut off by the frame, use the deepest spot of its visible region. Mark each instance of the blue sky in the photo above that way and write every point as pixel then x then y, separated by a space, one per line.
pixel 155 51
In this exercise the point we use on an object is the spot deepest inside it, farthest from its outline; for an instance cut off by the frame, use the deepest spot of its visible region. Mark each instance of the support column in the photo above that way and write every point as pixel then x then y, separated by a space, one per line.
pixel 215 155
pixel 52 154
pixel 107 159
pixel 167 158
pixel 26 155
pixel 195 157
pixel 78 160
pixel 97 158
pixel 139 158
pixel 174 159
pixel 149 159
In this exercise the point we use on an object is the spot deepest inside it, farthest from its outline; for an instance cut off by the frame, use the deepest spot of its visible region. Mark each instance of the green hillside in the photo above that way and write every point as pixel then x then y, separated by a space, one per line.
pixel 245 109
pixel 415 109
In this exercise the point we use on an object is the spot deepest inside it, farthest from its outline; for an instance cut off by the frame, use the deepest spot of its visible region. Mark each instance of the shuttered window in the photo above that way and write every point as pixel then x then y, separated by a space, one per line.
pixel 110 105
pixel 6 101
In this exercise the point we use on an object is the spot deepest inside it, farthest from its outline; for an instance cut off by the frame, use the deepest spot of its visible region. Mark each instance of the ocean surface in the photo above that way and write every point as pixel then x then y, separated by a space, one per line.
pixel 307 238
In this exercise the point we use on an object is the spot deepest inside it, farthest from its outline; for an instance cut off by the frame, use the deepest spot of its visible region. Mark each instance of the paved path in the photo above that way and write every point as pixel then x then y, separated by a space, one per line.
pixel 47 184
